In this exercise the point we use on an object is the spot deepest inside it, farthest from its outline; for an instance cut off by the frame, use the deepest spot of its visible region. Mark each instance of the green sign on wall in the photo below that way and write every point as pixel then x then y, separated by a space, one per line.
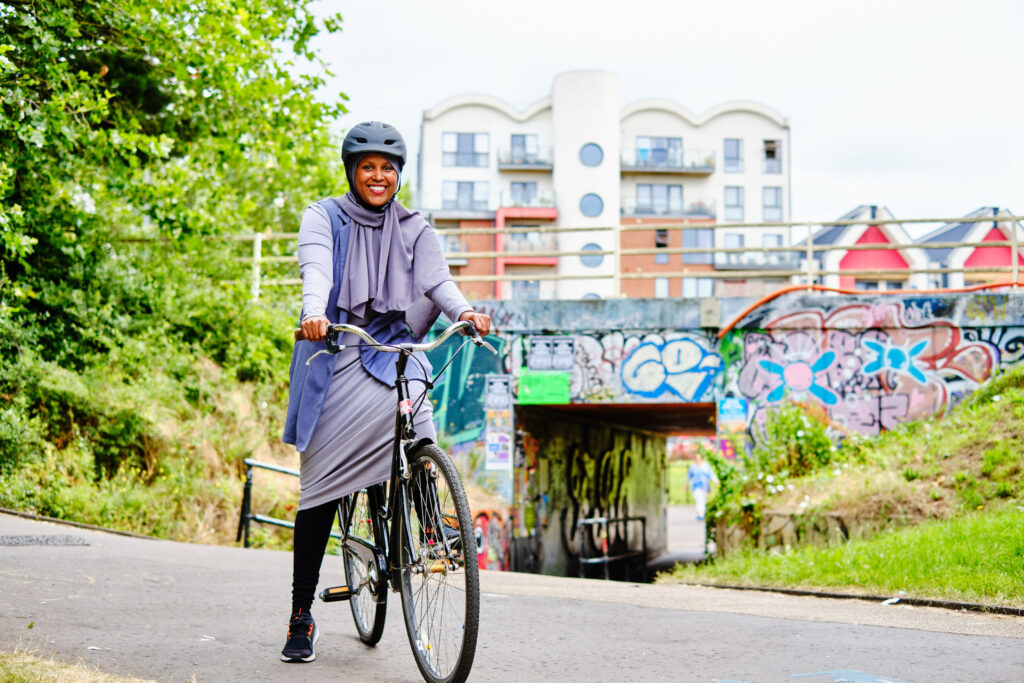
pixel 543 387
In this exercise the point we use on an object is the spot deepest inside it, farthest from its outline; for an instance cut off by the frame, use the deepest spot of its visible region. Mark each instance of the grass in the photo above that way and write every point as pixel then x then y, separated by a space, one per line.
pixel 976 557
pixel 21 667
pixel 678 491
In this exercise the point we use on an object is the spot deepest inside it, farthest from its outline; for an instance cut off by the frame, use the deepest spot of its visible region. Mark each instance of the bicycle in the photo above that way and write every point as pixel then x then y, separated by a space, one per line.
pixel 413 533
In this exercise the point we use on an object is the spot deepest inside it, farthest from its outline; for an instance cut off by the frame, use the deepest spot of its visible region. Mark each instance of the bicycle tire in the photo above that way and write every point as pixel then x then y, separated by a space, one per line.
pixel 369 603
pixel 440 596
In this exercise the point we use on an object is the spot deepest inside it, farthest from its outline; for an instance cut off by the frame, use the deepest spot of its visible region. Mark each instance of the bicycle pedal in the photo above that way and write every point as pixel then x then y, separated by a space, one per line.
pixel 336 594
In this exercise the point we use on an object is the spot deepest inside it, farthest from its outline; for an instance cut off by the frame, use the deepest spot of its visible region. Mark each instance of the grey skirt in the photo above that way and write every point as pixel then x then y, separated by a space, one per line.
pixel 351 446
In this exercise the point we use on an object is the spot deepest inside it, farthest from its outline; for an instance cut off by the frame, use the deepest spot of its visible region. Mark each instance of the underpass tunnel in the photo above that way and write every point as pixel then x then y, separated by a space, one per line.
pixel 578 464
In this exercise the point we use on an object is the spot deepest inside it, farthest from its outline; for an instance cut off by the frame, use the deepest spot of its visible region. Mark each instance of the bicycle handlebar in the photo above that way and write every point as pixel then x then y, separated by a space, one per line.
pixel 334 334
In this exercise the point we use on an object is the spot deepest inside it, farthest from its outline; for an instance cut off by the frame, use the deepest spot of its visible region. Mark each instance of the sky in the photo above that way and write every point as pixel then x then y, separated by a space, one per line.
pixel 917 106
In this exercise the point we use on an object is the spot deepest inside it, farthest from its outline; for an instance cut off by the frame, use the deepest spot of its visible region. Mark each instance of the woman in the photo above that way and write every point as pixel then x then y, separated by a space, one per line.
pixel 366 260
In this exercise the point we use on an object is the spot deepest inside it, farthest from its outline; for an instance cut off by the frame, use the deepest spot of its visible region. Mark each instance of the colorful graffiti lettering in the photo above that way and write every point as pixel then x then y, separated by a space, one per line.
pixel 681 367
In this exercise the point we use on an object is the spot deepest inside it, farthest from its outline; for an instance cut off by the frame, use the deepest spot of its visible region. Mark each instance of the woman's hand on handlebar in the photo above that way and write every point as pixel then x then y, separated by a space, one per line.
pixel 314 329
pixel 481 321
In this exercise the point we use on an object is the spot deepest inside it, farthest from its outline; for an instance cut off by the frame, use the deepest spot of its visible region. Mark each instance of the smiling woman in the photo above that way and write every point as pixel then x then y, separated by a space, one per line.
pixel 366 260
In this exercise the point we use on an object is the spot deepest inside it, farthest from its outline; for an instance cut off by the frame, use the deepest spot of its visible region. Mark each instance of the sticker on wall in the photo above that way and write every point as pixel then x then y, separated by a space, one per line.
pixel 499 451
pixel 551 352
pixel 498 392
pixel 539 387
pixel 732 415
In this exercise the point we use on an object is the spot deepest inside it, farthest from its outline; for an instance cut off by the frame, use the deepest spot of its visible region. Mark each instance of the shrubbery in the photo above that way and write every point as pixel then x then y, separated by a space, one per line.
pixel 139 138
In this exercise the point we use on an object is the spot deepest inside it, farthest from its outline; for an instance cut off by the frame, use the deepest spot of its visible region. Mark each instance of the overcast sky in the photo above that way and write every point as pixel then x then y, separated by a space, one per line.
pixel 913 105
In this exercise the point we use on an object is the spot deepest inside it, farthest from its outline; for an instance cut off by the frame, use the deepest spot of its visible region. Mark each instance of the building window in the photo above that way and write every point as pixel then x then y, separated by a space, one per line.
pixel 771 240
pixel 659 199
pixel 524 149
pixel 465 196
pixel 524 194
pixel 733 240
pixel 773 156
pixel 659 152
pixel 591 154
pixel 465 149
pixel 525 289
pixel 592 260
pixel 661 242
pixel 698 238
pixel 591 205
pixel 661 287
pixel 733 203
pixel 526 241
pixel 771 198
pixel 697 287
pixel 733 155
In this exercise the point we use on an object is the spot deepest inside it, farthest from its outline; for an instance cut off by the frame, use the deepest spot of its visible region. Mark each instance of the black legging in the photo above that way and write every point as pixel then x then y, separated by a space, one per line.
pixel 312 531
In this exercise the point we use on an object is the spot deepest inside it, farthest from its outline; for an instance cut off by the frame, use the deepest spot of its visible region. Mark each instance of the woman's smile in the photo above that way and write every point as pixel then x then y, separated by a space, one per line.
pixel 376 180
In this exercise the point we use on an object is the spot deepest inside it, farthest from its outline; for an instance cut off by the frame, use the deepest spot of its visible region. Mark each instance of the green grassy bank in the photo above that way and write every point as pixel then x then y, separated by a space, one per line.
pixel 977 557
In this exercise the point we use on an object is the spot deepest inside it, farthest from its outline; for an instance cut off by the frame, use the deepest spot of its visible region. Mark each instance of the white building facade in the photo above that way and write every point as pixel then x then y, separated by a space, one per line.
pixel 579 158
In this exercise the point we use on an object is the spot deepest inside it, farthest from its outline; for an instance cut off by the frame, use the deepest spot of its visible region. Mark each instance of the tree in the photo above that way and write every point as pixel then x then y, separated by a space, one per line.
pixel 148 118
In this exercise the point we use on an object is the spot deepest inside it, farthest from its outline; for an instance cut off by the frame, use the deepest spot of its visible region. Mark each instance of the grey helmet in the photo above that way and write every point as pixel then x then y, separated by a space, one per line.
pixel 370 137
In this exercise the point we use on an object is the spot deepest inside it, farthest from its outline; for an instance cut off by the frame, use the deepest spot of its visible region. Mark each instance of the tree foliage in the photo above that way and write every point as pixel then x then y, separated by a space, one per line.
pixel 171 121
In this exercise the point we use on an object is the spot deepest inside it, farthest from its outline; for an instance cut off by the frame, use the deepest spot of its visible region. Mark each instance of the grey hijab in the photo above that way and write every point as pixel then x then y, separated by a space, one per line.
pixel 410 262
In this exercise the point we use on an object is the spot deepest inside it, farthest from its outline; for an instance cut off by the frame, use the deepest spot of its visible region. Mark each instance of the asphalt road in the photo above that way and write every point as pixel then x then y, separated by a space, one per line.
pixel 170 611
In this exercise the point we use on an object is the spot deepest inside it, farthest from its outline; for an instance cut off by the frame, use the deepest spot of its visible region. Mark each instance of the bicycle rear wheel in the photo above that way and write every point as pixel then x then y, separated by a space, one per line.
pixel 369 599
pixel 441 593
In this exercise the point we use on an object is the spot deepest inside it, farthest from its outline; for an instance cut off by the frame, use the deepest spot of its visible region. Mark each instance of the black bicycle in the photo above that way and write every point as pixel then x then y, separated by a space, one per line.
pixel 414 533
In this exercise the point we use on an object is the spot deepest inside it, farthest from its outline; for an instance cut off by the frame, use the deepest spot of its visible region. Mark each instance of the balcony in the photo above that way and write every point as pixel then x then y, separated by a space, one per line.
pixel 702 210
pixel 522 244
pixel 772 260
pixel 523 160
pixel 452 247
pixel 539 199
pixel 693 162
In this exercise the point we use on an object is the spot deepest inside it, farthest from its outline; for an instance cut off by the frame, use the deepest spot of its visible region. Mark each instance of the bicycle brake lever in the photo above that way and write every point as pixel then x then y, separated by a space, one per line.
pixel 479 341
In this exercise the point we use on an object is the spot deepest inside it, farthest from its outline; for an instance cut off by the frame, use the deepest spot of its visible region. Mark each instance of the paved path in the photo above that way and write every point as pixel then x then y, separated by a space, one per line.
pixel 169 611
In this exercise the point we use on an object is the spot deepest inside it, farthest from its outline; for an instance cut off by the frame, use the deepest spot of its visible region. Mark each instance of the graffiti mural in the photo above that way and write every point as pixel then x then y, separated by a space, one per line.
pixel 871 365
pixel 614 368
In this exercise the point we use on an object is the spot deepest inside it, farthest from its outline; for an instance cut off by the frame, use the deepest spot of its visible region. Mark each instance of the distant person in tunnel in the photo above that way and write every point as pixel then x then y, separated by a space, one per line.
pixel 699 478
pixel 366 260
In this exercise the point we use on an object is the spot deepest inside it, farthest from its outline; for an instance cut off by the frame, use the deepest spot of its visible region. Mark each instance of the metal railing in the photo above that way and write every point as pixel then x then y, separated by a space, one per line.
pixel 247 517
pixel 755 262
pixel 698 161
pixel 602 543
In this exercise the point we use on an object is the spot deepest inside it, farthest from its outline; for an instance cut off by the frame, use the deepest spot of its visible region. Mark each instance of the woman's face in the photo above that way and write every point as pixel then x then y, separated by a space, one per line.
pixel 376 180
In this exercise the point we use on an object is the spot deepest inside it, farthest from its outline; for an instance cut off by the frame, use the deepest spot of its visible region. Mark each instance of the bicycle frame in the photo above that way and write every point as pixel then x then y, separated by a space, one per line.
pixel 395 537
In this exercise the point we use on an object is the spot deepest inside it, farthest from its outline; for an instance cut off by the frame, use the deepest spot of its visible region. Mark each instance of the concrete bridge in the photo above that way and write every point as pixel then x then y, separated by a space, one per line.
pixel 570 422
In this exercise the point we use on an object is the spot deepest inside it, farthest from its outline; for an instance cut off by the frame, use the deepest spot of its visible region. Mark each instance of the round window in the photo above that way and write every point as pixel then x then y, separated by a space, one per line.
pixel 591 205
pixel 591 154
pixel 591 295
pixel 591 260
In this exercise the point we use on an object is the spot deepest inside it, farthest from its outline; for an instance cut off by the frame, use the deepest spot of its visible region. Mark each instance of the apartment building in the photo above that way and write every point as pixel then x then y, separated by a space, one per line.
pixel 579 159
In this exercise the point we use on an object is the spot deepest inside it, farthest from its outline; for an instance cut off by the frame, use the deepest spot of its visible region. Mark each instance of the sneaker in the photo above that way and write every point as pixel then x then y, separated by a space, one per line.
pixel 302 636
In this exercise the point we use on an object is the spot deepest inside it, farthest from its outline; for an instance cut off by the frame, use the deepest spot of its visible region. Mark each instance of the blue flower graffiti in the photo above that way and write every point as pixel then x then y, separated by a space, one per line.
pixel 895 358
pixel 799 376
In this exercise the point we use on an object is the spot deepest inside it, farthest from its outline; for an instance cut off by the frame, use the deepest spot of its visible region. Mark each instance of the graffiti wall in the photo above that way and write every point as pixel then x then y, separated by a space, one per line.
pixel 871 363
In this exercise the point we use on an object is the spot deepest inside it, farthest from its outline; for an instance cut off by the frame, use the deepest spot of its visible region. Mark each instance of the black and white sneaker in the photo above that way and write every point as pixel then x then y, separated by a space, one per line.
pixel 302 636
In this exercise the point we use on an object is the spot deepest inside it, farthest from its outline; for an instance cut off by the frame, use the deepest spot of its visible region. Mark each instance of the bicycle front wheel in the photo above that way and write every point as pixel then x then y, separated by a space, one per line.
pixel 369 601
pixel 441 591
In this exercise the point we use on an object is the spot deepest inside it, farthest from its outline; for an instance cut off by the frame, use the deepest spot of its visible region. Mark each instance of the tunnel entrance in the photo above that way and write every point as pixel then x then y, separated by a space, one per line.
pixel 670 419
pixel 591 484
